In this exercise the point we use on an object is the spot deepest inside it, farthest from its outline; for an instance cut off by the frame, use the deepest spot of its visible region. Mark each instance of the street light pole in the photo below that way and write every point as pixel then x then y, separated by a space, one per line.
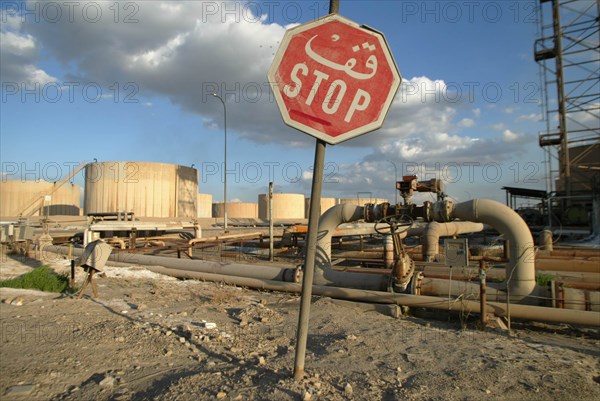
pixel 396 180
pixel 225 160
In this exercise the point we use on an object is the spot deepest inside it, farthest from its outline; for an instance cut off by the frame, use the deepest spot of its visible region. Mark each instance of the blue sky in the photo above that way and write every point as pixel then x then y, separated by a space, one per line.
pixel 131 81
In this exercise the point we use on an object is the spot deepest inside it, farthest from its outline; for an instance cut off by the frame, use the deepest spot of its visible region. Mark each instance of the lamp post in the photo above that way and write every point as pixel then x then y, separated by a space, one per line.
pixel 225 160
pixel 396 180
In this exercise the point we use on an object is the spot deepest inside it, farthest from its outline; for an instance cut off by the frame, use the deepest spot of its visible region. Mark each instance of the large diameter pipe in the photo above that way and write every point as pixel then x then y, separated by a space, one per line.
pixel 234 269
pixel 527 312
pixel 435 230
pixel 324 273
pixel 521 266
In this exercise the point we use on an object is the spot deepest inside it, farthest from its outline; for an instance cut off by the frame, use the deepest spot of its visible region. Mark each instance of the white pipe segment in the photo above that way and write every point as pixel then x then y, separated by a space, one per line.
pixel 520 271
pixel 435 230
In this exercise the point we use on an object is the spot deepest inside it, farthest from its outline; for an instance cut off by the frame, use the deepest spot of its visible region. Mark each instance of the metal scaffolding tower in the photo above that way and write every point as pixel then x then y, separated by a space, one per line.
pixel 568 54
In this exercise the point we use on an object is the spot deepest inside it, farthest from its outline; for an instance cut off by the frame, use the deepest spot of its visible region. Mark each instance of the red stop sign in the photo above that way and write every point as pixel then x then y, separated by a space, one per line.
pixel 334 79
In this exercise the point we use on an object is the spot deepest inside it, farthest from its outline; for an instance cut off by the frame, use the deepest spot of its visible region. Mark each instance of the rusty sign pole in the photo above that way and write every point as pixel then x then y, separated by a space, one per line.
pixel 311 246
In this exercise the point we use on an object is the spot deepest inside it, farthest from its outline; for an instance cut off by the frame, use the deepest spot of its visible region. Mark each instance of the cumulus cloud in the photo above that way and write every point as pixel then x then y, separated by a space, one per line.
pixel 19 53
pixel 184 52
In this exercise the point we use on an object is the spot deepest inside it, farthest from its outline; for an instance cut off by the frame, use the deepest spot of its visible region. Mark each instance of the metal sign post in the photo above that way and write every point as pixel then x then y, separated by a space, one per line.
pixel 334 80
pixel 309 260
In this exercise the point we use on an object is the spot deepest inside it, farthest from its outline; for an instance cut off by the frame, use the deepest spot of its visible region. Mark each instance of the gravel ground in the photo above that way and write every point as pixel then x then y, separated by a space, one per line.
pixel 154 337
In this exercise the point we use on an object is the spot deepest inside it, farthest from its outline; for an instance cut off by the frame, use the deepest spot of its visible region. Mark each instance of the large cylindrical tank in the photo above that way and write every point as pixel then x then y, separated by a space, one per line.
pixel 145 188
pixel 236 210
pixel 29 198
pixel 362 201
pixel 204 205
pixel 326 203
pixel 285 206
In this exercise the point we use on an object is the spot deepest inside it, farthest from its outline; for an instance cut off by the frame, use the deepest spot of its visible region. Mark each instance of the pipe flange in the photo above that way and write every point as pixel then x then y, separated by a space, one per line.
pixel 442 211
pixel 415 284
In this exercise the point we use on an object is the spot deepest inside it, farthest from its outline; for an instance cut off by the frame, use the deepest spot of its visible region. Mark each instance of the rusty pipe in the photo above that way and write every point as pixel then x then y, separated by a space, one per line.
pixel 527 312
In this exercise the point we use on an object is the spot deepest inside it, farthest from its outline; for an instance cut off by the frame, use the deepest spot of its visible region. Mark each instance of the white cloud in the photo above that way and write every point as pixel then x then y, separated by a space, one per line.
pixel 509 136
pixel 477 112
pixel 534 117
pixel 19 55
pixel 466 123
pixel 498 127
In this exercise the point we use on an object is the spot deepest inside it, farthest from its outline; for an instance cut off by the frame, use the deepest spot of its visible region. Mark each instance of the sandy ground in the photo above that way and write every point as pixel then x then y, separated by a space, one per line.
pixel 154 337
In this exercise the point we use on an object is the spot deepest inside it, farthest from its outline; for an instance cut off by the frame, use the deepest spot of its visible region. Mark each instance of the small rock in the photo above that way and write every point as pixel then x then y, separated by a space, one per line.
pixel 209 325
pixel 488 391
pixel 108 382
pixel 169 353
pixel 221 395
pixel 351 337
pixel 18 301
pixel 261 360
pixel 120 339
pixel 307 396
pixel 124 312
pixel 168 333
pixel 20 390
pixel 75 389
pixel 182 340
pixel 348 390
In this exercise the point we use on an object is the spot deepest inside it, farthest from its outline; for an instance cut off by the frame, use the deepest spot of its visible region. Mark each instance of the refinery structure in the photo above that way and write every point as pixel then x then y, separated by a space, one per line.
pixel 500 262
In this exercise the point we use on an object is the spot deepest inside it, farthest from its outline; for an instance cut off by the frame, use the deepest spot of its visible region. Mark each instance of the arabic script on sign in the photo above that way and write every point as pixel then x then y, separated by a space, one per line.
pixel 371 62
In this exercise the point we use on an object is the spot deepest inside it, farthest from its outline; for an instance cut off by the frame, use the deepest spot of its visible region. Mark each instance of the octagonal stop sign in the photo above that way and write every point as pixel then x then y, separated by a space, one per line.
pixel 334 79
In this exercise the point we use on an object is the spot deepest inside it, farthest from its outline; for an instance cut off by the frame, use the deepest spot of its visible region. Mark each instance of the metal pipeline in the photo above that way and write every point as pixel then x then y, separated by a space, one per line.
pixel 517 311
pixel 324 273
pixel 434 230
pixel 233 269
pixel 521 267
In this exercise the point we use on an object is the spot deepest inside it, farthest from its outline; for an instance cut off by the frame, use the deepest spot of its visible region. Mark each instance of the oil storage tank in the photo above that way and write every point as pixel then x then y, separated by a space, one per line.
pixel 326 203
pixel 35 198
pixel 285 206
pixel 204 205
pixel 236 210
pixel 147 189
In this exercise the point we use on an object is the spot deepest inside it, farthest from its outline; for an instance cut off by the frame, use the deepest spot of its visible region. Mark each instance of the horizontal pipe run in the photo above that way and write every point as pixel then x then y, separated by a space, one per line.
pixel 233 269
pixel 517 311
pixel 574 265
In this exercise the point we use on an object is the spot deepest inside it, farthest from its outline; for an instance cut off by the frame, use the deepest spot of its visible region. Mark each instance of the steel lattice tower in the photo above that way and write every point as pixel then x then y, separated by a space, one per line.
pixel 568 54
